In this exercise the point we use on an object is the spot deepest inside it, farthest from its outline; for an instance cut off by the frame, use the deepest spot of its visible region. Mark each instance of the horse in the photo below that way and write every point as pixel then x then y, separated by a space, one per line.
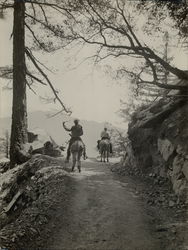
pixel 77 149
pixel 104 149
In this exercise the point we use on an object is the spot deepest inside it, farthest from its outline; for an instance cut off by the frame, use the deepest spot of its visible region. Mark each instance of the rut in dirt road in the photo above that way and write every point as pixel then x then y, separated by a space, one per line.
pixel 103 214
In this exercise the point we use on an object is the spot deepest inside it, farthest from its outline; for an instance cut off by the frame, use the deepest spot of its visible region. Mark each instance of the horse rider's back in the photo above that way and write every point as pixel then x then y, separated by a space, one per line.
pixel 76 131
pixel 105 134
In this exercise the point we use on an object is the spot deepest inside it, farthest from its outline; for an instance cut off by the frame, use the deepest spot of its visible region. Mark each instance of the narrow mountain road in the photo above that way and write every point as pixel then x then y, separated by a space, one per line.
pixel 103 213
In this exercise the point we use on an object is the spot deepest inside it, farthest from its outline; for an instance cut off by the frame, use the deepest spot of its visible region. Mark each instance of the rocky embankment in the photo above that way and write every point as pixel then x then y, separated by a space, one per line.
pixel 31 192
pixel 157 156
pixel 158 145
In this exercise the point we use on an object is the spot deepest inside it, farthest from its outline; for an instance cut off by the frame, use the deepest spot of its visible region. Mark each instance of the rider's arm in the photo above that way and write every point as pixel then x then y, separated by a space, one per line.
pixel 81 131
pixel 67 129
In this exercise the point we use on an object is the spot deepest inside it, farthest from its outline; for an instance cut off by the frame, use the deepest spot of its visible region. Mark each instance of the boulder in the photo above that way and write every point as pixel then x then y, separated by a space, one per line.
pixel 41 138
pixel 166 148
pixel 43 144
pixel 179 176
pixel 31 137
pixel 50 150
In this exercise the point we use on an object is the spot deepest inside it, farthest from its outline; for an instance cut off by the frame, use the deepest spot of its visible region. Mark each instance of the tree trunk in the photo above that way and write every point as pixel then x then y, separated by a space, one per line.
pixel 19 112
pixel 7 144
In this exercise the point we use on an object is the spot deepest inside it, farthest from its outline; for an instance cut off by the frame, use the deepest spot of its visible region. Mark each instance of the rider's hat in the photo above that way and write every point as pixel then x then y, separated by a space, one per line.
pixel 76 120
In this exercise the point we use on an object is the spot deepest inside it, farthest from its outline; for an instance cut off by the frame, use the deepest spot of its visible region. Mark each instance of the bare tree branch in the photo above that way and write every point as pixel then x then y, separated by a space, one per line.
pixel 54 6
pixel 30 87
pixel 6 6
pixel 35 78
pixel 44 14
pixel 34 11
pixel 57 33
pixel 161 85
pixel 6 72
pixel 42 64
pixel 30 56
pixel 135 48
pixel 41 45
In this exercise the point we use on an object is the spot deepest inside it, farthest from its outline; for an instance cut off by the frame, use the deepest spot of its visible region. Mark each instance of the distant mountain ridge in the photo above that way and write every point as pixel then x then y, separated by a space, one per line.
pixel 53 126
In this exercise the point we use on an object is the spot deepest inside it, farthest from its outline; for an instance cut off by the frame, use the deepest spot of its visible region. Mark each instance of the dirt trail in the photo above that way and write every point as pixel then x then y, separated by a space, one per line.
pixel 103 213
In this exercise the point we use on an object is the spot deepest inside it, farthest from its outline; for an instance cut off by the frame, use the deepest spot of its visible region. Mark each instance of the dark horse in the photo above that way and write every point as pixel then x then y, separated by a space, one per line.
pixel 104 149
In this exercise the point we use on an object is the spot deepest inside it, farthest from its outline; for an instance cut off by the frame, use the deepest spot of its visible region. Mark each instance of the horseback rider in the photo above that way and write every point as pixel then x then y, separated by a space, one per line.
pixel 105 136
pixel 76 132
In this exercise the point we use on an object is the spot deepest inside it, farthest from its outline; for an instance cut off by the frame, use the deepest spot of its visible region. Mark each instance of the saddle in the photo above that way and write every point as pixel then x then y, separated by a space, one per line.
pixel 105 138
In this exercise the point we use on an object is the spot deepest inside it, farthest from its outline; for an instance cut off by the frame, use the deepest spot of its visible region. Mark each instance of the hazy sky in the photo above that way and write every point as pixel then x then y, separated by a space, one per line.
pixel 91 94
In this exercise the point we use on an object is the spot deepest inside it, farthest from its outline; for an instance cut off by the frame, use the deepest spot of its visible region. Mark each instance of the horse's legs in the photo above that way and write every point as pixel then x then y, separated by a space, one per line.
pixel 103 155
pixel 79 161
pixel 73 160
pixel 107 153
pixel 84 153
pixel 79 168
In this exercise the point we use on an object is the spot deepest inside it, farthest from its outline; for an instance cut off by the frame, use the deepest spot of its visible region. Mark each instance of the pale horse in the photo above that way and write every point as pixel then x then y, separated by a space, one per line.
pixel 104 149
pixel 77 149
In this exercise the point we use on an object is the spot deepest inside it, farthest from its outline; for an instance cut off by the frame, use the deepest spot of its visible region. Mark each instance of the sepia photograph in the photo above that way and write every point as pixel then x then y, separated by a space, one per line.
pixel 93 124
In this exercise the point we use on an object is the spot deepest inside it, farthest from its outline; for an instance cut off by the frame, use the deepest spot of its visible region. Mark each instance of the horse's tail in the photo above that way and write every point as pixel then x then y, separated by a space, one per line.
pixel 77 146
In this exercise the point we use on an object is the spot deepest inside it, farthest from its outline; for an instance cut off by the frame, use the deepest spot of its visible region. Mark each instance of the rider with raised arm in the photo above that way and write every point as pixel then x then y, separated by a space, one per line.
pixel 105 135
pixel 76 132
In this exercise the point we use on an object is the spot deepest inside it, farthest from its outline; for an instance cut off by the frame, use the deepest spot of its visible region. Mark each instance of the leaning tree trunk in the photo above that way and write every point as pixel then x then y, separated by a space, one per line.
pixel 19 112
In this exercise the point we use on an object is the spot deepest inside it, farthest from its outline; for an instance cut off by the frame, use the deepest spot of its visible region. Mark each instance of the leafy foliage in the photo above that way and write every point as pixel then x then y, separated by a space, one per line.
pixel 115 32
pixel 157 10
